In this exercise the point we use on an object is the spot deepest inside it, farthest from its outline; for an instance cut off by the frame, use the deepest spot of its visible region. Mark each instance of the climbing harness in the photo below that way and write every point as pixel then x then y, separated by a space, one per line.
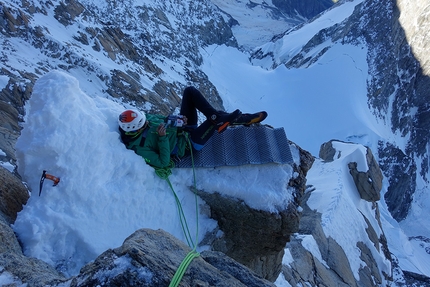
pixel 164 173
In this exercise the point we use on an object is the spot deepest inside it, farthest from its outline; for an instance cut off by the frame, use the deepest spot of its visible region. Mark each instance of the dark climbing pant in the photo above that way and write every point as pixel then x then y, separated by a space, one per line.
pixel 193 101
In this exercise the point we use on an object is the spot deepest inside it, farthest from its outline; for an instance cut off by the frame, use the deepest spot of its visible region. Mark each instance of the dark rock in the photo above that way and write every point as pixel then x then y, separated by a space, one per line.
pixel 257 238
pixel 151 258
pixel 368 183
pixel 252 237
pixel 369 273
pixel 13 195
pixel 400 170
pixel 8 240
pixel 67 11
pixel 327 151
pixel 307 8
pixel 415 279
pixel 30 271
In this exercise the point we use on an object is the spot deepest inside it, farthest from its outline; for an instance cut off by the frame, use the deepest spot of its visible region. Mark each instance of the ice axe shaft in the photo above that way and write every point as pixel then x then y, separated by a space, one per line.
pixel 55 179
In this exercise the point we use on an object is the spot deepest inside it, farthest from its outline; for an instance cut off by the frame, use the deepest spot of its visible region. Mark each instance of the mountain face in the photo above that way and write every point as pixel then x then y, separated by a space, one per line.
pixel 393 33
pixel 266 18
pixel 397 88
pixel 125 50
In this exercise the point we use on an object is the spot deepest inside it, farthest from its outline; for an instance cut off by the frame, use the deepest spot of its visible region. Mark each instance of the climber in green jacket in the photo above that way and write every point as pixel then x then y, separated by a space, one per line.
pixel 158 138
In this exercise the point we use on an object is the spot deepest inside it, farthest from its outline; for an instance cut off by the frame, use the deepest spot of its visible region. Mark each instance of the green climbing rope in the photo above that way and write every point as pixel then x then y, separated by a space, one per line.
pixel 182 268
pixel 164 173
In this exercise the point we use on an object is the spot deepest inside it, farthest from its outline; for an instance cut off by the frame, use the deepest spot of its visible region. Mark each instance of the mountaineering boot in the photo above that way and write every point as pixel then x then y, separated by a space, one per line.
pixel 249 119
pixel 222 120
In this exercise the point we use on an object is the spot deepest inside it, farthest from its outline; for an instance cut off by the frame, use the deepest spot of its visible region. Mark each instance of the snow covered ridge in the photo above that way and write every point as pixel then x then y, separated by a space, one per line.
pixel 340 233
pixel 339 78
pixel 107 192
pixel 298 42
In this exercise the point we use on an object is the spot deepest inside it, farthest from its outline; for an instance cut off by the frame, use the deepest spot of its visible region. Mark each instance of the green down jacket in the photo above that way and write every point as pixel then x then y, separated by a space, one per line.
pixel 154 149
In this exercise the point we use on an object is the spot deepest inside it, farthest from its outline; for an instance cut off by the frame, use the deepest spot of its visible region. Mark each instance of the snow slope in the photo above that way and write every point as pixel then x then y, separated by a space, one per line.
pixel 256 24
pixel 107 192
pixel 292 43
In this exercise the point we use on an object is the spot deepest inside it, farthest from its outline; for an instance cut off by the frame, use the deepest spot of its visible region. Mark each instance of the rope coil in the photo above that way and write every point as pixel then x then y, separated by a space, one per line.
pixel 164 173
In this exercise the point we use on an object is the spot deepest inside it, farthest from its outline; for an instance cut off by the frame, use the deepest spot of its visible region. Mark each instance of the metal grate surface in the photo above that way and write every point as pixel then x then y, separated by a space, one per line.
pixel 242 145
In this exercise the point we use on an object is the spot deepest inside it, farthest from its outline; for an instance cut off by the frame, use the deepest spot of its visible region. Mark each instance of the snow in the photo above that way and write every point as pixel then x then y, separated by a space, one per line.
pixel 337 198
pixel 313 105
pixel 7 165
pixel 250 34
pixel 309 243
pixel 6 278
pixel 107 192
pixel 3 81
pixel 289 45
pixel 120 264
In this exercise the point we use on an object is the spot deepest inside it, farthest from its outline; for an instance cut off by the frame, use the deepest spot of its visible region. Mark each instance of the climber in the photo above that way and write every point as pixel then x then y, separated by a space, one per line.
pixel 158 138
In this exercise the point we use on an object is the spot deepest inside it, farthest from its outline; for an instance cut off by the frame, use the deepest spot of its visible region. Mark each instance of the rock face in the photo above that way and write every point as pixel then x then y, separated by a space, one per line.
pixel 13 195
pixel 394 32
pixel 307 8
pixel 332 267
pixel 254 238
pixel 369 183
pixel 404 43
pixel 306 269
pixel 31 271
pixel 257 238
pixel 151 258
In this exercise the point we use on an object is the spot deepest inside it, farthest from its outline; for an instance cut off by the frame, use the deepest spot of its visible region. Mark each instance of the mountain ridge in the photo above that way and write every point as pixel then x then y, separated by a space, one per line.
pixel 136 74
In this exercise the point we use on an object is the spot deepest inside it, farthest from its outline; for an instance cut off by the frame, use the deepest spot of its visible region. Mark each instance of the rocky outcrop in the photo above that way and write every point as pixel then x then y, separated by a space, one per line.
pixel 369 183
pixel 394 33
pixel 31 271
pixel 34 272
pixel 145 84
pixel 329 265
pixel 252 237
pixel 305 269
pixel 12 99
pixel 151 258
pixel 307 8
pixel 253 240
pixel 257 238
pixel 13 195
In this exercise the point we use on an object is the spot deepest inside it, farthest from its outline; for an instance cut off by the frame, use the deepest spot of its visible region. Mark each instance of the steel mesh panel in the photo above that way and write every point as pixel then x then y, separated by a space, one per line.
pixel 242 145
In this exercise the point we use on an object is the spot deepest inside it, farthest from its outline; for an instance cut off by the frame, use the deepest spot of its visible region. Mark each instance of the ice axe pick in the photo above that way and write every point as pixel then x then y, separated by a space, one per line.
pixel 55 179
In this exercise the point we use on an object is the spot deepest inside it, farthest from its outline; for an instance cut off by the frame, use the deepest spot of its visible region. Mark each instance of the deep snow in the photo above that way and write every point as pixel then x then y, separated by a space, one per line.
pixel 107 192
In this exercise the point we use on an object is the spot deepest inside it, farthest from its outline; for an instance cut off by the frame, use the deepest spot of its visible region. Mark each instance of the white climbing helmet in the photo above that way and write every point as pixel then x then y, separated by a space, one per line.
pixel 131 120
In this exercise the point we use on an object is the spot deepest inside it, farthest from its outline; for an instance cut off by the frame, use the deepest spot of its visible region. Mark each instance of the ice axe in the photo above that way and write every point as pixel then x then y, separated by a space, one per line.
pixel 55 179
